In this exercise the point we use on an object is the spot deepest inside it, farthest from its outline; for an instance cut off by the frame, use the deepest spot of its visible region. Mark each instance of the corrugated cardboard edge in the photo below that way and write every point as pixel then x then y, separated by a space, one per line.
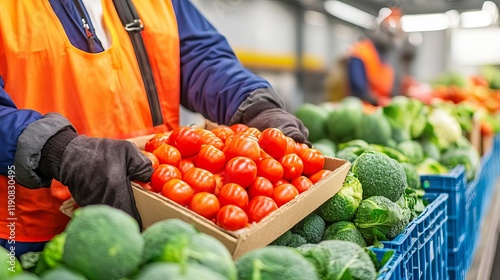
pixel 154 207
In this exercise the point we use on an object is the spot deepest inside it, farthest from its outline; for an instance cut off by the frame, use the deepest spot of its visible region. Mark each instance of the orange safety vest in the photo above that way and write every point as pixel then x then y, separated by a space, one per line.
pixel 102 94
pixel 380 75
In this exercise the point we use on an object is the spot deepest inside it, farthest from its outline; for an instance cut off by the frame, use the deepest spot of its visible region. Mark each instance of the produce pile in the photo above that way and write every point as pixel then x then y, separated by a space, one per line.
pixel 430 139
pixel 233 176
pixel 105 243
pixel 374 204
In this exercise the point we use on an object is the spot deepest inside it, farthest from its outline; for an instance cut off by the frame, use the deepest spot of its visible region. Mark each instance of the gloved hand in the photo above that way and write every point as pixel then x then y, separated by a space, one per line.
pixel 264 109
pixel 282 120
pixel 96 170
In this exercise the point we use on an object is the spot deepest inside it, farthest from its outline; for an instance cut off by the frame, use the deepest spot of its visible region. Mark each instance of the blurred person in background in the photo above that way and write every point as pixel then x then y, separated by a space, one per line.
pixel 367 71
pixel 71 87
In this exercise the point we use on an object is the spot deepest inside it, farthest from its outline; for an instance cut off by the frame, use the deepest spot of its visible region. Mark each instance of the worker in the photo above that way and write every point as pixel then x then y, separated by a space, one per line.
pixel 73 87
pixel 371 76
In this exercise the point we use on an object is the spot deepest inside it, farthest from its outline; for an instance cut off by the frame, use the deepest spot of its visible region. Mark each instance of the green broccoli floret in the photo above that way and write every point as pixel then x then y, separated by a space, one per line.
pixel 296 240
pixel 283 240
pixel 412 150
pixel 375 218
pixel 311 228
pixel 343 205
pixel 380 175
pixel 346 231
pixel 412 177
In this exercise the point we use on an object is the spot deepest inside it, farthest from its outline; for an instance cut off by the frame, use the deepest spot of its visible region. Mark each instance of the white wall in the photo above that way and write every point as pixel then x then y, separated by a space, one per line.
pixel 260 25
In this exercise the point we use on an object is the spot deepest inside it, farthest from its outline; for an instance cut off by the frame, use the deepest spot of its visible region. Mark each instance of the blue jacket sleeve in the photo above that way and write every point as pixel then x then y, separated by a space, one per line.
pixel 213 81
pixel 12 124
pixel 358 81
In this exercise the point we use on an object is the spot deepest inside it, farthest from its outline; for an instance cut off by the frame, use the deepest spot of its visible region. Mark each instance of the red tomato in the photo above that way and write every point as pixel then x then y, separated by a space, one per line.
pixel 319 175
pixel 167 154
pixel 223 132
pixel 156 141
pixel 290 146
pixel 209 138
pixel 302 183
pixel 145 185
pixel 214 141
pixel 219 182
pixel 204 133
pixel 211 159
pixel 284 193
pixel 205 204
pixel 178 191
pixel 239 127
pixel 239 145
pixel 300 148
pixel 270 168
pixel 260 186
pixel 200 180
pixel 313 161
pixel 232 217
pixel 292 166
pixel 251 131
pixel 273 141
pixel 280 182
pixel 259 207
pixel 185 165
pixel 186 140
pixel 163 174
pixel 241 170
pixel 234 194
pixel 154 160
pixel 263 154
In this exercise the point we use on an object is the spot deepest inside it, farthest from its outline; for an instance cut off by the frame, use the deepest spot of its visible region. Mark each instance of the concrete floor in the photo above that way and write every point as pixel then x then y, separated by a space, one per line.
pixel 495 270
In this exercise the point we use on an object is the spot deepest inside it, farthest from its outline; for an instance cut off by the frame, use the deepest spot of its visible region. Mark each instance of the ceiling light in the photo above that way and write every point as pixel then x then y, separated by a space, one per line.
pixel 349 13
pixel 454 18
pixel 424 22
pixel 476 19
pixel 492 8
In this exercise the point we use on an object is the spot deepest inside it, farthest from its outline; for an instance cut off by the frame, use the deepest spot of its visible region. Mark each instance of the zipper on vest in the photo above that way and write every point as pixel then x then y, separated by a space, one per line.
pixel 134 26
pixel 86 27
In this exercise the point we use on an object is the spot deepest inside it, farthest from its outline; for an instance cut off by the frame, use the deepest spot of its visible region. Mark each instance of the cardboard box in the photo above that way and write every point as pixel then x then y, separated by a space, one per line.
pixel 153 208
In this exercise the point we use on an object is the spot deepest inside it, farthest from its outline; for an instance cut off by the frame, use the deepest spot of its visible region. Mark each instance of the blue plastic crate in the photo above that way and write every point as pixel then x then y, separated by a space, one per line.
pixel 423 244
pixel 392 269
pixel 472 205
pixel 453 184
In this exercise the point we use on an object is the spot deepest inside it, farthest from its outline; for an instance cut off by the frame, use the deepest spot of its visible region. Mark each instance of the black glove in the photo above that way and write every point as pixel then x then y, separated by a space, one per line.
pixel 96 170
pixel 282 120
pixel 264 109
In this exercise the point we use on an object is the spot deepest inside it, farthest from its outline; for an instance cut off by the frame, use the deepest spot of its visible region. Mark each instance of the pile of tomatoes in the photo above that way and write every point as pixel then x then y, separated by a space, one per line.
pixel 232 175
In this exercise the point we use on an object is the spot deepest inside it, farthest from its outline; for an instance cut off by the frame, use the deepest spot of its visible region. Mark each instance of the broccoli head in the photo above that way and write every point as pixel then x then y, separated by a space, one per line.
pixel 376 217
pixel 296 240
pixel 412 177
pixel 413 150
pixel 346 231
pixel 380 175
pixel 343 205
pixel 311 228
pixel 283 240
